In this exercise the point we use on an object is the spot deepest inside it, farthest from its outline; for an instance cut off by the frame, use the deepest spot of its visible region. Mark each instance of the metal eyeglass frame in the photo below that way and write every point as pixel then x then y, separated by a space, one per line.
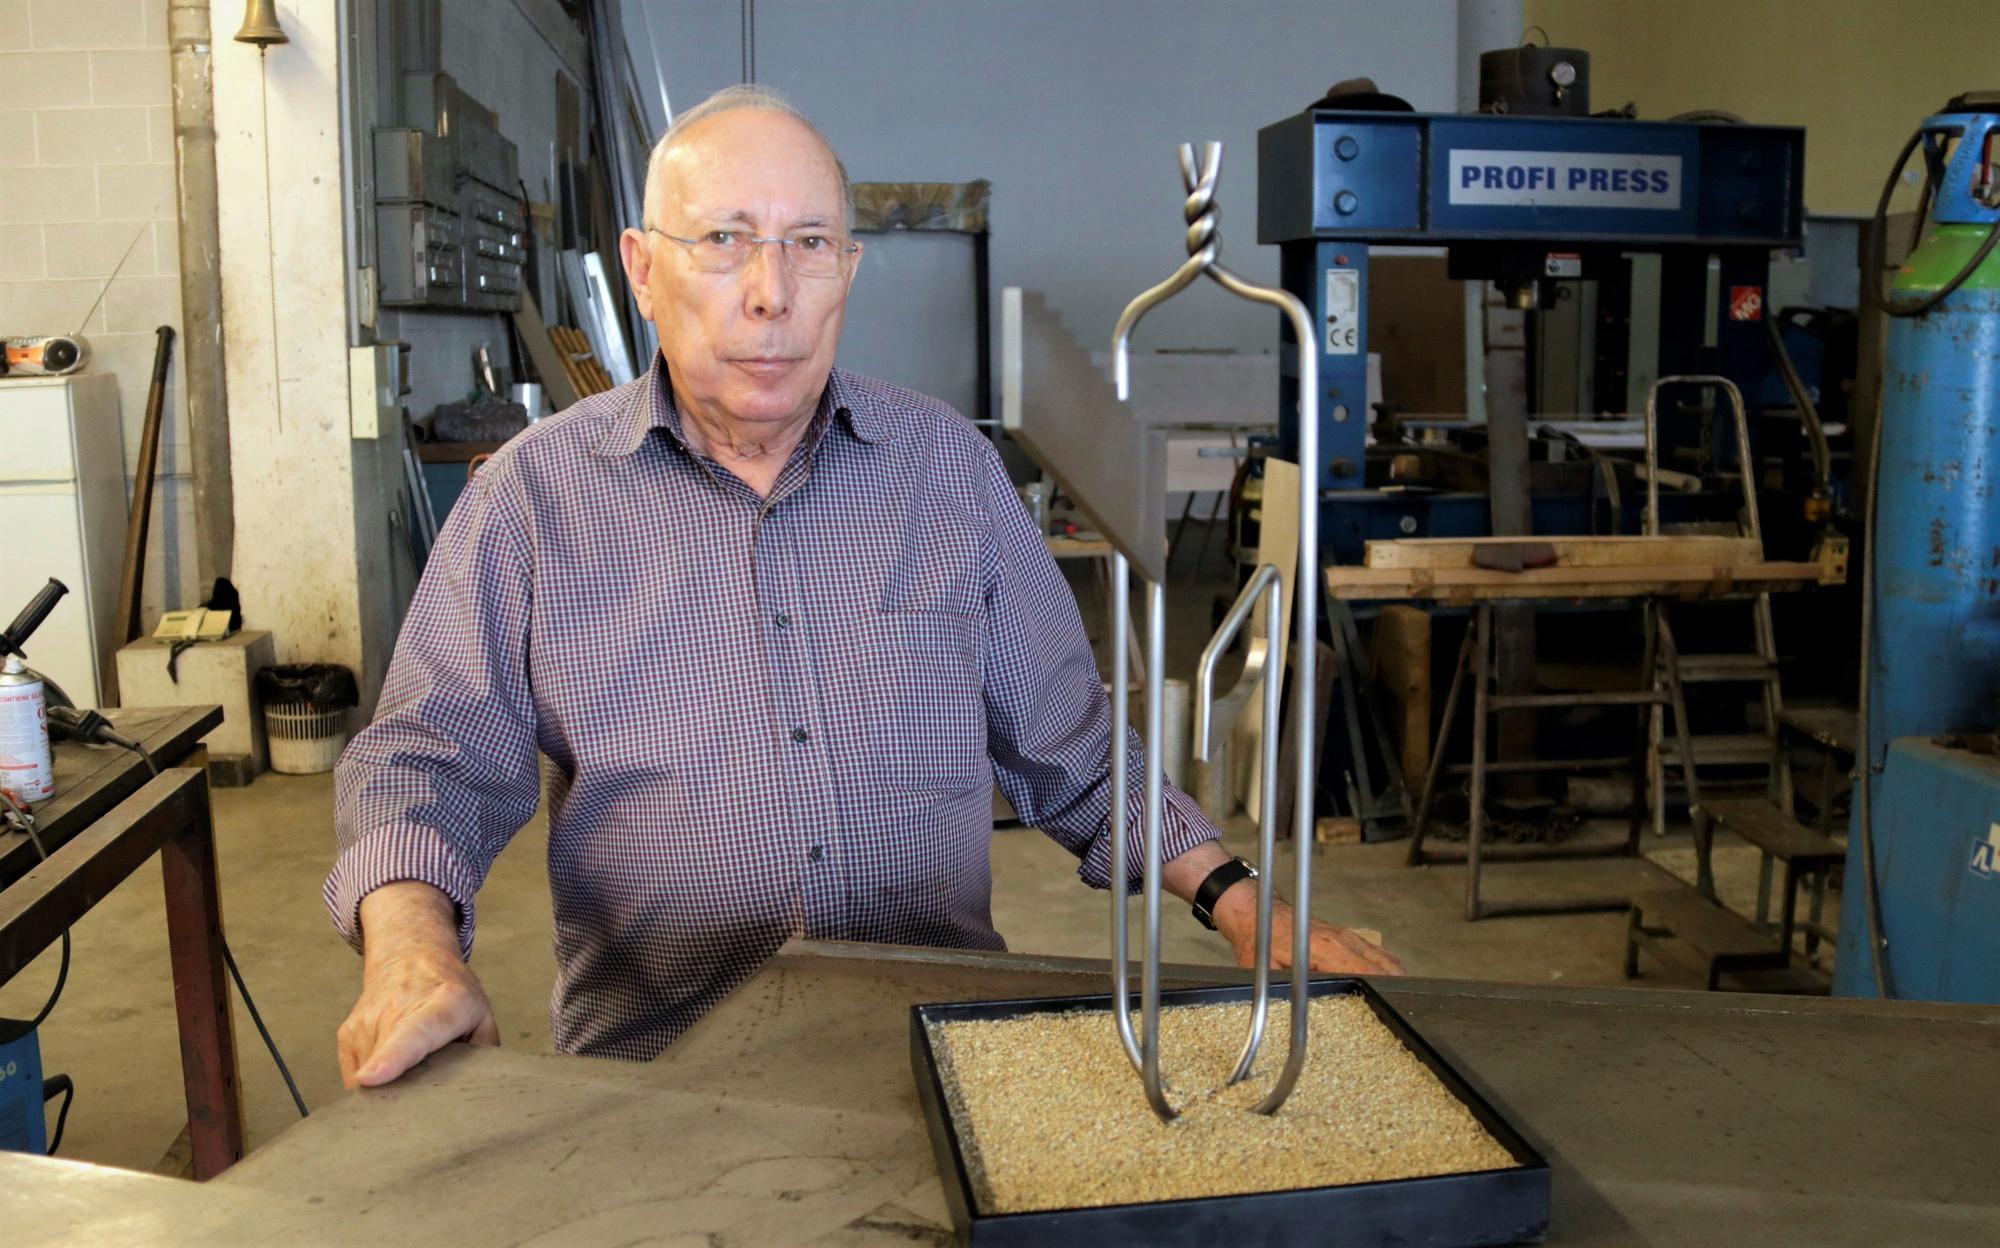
pixel 1204 242
pixel 757 241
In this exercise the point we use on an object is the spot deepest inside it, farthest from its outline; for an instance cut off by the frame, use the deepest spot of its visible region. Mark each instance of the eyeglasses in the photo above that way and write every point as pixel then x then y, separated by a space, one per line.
pixel 726 251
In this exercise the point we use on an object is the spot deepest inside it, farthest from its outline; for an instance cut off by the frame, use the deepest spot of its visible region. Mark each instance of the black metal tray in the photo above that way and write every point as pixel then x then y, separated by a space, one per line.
pixel 1487 1207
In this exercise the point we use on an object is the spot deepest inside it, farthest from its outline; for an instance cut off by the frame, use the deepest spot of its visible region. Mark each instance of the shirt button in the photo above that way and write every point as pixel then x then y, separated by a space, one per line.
pixel 801 736
pixel 784 620
pixel 816 853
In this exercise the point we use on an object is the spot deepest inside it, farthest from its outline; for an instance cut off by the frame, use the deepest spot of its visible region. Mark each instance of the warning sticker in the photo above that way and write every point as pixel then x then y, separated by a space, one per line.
pixel 1986 854
pixel 1562 264
pixel 1343 312
pixel 1746 303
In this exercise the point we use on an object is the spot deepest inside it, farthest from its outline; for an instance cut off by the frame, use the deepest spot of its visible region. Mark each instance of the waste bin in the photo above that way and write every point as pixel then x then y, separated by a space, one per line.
pixel 306 710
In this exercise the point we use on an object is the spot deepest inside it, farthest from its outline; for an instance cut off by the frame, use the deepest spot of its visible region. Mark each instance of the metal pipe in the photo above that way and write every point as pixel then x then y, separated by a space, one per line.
pixel 1225 636
pixel 1121 678
pixel 1305 683
pixel 1267 831
pixel 1149 984
pixel 1650 522
pixel 1266 583
pixel 202 353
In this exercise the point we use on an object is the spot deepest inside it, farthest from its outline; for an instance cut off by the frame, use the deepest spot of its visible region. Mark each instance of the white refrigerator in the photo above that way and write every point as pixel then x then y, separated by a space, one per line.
pixel 62 514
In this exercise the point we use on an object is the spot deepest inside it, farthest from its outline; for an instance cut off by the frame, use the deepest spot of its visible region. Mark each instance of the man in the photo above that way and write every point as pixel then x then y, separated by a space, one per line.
pixel 776 628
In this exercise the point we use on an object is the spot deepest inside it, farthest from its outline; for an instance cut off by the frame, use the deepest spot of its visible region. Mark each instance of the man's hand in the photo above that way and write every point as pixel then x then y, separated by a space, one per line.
pixel 1333 949
pixel 417 994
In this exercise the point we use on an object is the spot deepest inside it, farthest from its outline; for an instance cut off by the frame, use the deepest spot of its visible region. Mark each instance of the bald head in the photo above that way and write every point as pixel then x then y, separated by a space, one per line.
pixel 660 168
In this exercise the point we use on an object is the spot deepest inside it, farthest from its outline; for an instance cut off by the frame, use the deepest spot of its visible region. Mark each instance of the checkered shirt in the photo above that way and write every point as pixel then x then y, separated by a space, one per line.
pixel 763 718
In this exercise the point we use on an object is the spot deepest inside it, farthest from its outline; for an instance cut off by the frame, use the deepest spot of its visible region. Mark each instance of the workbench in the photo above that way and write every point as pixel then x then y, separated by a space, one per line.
pixel 789 1116
pixel 108 818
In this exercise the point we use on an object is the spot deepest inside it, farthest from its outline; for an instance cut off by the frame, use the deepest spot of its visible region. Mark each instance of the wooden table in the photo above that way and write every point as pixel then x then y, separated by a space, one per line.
pixel 108 817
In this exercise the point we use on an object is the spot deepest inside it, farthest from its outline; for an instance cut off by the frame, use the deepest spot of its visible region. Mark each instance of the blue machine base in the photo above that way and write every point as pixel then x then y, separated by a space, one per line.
pixel 22 1127
pixel 1937 863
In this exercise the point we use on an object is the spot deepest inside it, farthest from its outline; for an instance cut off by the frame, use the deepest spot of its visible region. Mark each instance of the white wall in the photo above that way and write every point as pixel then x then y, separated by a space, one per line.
pixel 1073 111
pixel 86 175
pixel 284 308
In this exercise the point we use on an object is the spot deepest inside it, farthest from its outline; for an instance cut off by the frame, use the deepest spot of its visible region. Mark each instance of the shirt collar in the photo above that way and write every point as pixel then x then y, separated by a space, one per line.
pixel 649 405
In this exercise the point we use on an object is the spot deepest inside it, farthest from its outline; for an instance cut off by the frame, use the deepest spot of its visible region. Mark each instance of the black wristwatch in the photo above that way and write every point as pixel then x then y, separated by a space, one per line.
pixel 1219 881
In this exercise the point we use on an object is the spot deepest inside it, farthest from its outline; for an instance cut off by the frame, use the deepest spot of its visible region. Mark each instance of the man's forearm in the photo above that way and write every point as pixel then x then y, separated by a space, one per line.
pixel 404 915
pixel 1182 876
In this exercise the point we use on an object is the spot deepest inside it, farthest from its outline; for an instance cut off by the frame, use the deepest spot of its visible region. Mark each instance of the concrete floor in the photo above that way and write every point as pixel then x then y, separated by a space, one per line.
pixel 114 1031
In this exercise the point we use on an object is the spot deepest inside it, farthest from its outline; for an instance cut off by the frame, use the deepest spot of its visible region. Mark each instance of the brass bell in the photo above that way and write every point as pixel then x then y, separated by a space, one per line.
pixel 260 25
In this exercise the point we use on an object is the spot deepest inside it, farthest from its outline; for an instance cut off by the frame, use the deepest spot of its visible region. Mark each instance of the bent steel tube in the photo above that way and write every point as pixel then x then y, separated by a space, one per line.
pixel 1225 636
pixel 1204 244
pixel 1121 679
pixel 1149 983
pixel 1267 583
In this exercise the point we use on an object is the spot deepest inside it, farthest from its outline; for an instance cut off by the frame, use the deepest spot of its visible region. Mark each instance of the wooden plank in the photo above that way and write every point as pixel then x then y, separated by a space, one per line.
pixel 1080 548
pixel 1629 553
pixel 1463 585
pixel 1777 833
pixel 542 351
pixel 1277 544
pixel 1337 830
pixel 1715 931
pixel 126 622
pixel 1402 652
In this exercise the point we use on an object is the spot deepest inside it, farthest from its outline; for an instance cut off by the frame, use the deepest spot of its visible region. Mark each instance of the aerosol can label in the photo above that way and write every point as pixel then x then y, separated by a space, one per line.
pixel 27 771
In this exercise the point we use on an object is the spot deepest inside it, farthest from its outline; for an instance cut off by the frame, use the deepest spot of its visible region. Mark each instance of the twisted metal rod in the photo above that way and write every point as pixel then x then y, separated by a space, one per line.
pixel 1204 243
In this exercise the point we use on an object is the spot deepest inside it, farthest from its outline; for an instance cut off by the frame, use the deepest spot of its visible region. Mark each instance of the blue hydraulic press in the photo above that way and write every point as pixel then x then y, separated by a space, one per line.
pixel 1527 201
pixel 1920 914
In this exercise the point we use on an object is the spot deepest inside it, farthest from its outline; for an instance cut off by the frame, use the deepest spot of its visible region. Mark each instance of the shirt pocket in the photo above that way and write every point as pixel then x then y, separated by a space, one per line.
pixel 929 704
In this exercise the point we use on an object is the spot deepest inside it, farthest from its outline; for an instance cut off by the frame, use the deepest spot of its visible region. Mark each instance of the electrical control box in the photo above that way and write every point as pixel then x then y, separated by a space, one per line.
pixel 449 224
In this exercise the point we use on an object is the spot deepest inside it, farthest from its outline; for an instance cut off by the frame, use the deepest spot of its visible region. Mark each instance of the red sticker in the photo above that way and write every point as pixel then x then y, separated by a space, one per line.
pixel 1746 303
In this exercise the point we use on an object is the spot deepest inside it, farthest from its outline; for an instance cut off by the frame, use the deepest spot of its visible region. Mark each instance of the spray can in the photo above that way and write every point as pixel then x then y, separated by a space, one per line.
pixel 27 769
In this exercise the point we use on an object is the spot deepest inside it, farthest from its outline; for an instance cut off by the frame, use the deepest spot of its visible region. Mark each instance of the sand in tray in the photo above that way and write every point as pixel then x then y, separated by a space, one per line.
pixel 1051 1115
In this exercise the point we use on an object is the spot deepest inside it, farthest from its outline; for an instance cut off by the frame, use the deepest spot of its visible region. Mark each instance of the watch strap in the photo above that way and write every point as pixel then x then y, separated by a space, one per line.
pixel 1219 881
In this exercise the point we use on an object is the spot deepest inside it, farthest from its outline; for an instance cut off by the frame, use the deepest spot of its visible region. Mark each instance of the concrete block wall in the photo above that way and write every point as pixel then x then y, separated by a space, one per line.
pixel 87 191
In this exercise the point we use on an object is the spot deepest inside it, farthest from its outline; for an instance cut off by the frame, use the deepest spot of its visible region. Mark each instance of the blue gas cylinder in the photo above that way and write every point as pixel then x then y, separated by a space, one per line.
pixel 1935 645
pixel 1937 524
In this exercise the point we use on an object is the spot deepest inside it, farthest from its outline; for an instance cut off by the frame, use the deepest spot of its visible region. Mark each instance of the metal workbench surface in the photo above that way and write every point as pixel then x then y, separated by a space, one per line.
pixel 789 1116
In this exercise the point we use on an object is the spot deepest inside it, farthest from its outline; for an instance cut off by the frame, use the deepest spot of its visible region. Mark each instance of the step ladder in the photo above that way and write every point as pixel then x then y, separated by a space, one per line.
pixel 1689 933
pixel 1696 935
pixel 1658 689
pixel 1758 666
pixel 1807 857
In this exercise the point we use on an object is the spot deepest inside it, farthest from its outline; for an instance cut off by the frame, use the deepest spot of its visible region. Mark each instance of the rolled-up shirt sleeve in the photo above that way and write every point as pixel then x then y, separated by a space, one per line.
pixel 438 784
pixel 1048 719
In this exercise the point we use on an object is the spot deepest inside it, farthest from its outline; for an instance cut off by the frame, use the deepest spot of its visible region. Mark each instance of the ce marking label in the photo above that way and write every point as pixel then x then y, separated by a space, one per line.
pixel 1343 312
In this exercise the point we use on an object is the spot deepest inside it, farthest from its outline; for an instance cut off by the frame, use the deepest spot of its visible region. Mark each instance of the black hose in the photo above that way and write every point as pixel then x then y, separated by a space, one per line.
pixel 1878 940
pixel 1808 414
pixel 229 959
pixel 65 1087
pixel 291 1085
